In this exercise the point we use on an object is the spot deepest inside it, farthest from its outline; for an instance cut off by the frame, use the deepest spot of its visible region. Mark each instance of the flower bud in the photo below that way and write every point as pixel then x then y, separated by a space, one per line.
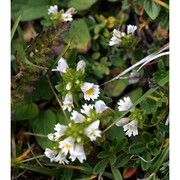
pixel 69 86
pixel 80 65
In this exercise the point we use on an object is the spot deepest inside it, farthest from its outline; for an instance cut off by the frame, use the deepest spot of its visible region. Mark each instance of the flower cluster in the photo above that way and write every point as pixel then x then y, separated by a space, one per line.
pixel 61 16
pixel 130 124
pixel 122 39
pixel 69 140
pixel 73 81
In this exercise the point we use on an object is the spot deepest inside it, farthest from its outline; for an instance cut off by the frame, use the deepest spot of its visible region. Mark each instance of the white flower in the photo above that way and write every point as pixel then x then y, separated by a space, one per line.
pixel 116 39
pixel 53 9
pixel 60 129
pixel 51 154
pixel 69 86
pixel 80 65
pixel 86 109
pixel 131 128
pixel 92 130
pixel 113 41
pixel 67 145
pixel 56 156
pixel 67 17
pixel 131 29
pixel 68 102
pixel 71 10
pixel 117 33
pixel 61 158
pixel 90 90
pixel 100 106
pixel 77 117
pixel 62 66
pixel 122 122
pixel 51 137
pixel 78 153
pixel 124 105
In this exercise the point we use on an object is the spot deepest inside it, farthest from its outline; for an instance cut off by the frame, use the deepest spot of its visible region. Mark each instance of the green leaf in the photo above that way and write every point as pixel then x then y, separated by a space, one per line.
pixel 25 111
pixel 159 137
pixel 115 88
pixel 122 143
pixel 29 9
pixel 122 160
pixel 60 117
pixel 15 27
pixel 112 159
pixel 100 166
pixel 115 132
pixel 116 173
pixel 152 8
pixel 154 151
pixel 82 38
pixel 146 136
pixel 136 148
pixel 145 165
pixel 116 60
pixel 161 65
pixel 135 94
pixel 163 127
pixel 44 124
pixel 81 5
pixel 43 90
pixel 68 173
pixel 103 154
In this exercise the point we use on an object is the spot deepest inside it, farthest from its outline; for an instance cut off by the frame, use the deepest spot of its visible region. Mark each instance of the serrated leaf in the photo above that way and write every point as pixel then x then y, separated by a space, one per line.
pixel 152 8
pixel 100 166
pixel 29 9
pixel 44 124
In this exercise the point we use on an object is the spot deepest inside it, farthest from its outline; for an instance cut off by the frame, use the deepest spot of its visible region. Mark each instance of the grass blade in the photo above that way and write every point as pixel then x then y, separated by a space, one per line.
pixel 15 27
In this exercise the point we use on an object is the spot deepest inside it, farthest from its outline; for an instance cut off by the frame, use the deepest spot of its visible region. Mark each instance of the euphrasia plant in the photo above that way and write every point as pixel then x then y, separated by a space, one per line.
pixel 69 141
pixel 73 83
pixel 84 132
pixel 125 40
